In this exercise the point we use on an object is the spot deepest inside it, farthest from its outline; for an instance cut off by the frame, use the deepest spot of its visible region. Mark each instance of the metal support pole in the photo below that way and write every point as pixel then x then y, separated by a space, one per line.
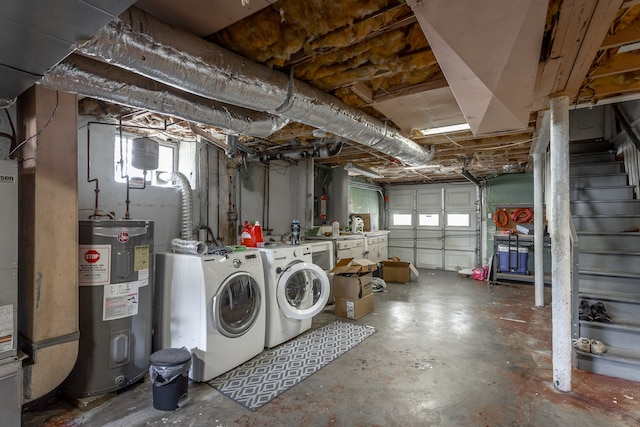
pixel 560 244
pixel 538 220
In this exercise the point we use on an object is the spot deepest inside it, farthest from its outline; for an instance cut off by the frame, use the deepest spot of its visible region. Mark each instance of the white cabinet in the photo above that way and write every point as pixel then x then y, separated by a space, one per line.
pixel 350 248
pixel 377 248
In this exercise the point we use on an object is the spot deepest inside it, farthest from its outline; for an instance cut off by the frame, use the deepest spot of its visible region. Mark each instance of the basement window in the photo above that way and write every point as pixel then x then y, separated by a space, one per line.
pixel 167 160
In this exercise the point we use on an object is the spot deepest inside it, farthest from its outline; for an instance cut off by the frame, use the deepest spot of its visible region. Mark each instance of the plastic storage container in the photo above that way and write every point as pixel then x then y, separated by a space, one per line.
pixel 513 259
pixel 169 372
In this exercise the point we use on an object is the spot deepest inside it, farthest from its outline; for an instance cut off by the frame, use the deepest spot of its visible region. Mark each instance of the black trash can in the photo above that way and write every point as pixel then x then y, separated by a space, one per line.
pixel 169 372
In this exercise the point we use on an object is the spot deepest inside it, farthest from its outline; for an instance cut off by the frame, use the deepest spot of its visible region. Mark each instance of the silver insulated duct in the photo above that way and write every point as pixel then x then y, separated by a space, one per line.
pixel 185 244
pixel 84 76
pixel 145 45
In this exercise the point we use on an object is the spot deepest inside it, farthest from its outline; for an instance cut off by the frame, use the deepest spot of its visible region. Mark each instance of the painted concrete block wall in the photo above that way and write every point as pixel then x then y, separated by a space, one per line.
pixel 275 195
pixel 159 204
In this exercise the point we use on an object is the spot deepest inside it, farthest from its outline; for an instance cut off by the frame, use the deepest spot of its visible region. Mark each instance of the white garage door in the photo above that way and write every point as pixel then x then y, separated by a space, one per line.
pixel 434 226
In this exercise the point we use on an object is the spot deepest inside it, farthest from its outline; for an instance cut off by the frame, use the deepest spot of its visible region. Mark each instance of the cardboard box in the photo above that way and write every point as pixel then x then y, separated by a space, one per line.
pixel 396 271
pixel 354 309
pixel 352 286
pixel 354 266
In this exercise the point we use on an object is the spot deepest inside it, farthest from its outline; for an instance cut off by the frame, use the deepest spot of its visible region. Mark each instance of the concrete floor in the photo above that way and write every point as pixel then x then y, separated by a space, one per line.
pixel 448 351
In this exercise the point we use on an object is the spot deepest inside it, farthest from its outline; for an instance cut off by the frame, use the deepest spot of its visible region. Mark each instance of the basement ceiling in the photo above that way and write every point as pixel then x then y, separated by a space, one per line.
pixel 398 66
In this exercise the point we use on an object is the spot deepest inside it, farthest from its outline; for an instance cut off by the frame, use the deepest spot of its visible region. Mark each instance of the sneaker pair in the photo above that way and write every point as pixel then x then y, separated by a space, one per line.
pixel 585 310
pixel 596 312
pixel 590 346
pixel 599 313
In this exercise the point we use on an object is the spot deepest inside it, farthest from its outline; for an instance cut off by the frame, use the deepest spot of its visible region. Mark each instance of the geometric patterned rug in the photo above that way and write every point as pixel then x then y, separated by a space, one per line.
pixel 272 372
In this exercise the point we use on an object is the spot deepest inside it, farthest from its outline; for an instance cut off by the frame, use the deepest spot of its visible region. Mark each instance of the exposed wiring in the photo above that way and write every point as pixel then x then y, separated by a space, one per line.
pixel 53 113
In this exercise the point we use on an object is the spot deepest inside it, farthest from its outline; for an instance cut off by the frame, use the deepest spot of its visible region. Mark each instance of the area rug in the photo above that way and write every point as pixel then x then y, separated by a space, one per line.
pixel 272 372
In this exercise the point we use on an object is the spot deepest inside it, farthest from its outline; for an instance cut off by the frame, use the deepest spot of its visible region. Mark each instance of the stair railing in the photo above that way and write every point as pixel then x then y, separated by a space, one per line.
pixel 575 285
pixel 629 148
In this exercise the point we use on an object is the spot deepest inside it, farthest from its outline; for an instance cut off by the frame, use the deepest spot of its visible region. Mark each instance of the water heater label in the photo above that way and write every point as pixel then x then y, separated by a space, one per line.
pixel 6 327
pixel 94 265
pixel 141 257
pixel 120 300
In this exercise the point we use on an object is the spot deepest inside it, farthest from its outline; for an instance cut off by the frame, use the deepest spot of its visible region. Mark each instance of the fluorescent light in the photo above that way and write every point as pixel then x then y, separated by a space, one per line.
pixel 445 129
pixel 629 47
pixel 361 171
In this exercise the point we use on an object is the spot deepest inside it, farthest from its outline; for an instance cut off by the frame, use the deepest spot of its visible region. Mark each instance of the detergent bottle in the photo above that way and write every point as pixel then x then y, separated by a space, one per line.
pixel 256 234
pixel 245 236
pixel 335 228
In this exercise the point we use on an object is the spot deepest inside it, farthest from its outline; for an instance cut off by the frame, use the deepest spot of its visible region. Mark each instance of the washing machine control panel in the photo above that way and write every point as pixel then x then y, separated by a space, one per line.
pixel 237 263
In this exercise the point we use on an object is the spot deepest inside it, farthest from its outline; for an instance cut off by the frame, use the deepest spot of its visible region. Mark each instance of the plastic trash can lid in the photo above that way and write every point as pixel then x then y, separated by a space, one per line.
pixel 170 357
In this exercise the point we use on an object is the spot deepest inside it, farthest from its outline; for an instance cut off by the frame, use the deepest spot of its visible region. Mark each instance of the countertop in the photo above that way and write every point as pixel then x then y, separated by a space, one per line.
pixel 349 236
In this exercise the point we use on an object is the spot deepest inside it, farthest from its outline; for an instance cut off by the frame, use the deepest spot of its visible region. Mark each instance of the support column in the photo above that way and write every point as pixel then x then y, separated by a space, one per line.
pixel 560 244
pixel 48 237
pixel 538 220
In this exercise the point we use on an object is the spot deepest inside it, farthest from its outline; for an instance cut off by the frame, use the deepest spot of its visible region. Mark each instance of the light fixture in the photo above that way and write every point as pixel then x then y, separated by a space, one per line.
pixel 445 129
pixel 629 47
pixel 350 167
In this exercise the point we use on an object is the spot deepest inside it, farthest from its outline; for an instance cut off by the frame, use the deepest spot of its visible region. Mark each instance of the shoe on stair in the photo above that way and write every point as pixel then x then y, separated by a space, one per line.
pixel 597 347
pixel 599 313
pixel 583 344
pixel 585 310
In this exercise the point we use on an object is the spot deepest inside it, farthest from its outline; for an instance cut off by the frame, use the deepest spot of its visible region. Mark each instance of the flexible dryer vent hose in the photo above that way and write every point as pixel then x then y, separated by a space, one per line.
pixel 181 180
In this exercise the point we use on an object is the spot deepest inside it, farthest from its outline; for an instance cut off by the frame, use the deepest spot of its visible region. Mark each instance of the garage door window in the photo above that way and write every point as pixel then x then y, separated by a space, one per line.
pixel 401 219
pixel 429 220
pixel 458 220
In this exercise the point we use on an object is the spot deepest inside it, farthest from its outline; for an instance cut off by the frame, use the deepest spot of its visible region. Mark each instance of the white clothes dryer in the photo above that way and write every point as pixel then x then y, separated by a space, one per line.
pixel 296 290
pixel 214 305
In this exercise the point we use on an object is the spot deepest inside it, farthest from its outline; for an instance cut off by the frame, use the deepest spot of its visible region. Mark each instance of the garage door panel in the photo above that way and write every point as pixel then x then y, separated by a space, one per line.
pixel 429 258
pixel 402 199
pixel 405 254
pixel 429 239
pixel 429 200
pixel 455 260
pixel 457 197
pixel 402 243
pixel 460 241
pixel 400 234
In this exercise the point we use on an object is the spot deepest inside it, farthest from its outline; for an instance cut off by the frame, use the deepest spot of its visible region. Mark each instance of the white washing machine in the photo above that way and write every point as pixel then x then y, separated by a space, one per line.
pixel 296 291
pixel 214 305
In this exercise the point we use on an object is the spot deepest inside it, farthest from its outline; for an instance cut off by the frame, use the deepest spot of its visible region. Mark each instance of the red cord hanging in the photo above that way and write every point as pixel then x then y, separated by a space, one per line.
pixel 500 217
pixel 522 215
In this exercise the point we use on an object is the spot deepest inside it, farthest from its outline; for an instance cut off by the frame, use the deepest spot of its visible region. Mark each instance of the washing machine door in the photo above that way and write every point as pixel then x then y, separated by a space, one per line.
pixel 302 290
pixel 236 305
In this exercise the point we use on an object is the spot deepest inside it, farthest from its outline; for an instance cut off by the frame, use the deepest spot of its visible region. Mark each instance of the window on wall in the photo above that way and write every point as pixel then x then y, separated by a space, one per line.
pixel 167 159
pixel 458 220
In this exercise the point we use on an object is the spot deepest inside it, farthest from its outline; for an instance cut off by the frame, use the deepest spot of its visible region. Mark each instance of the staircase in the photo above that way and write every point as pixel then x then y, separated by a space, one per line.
pixel 603 206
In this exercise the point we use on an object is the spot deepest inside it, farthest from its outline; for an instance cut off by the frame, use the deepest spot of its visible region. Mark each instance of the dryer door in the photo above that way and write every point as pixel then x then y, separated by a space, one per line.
pixel 302 290
pixel 236 305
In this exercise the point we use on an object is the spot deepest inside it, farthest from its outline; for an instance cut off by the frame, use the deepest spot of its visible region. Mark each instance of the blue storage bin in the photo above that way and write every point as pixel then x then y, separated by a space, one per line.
pixel 513 259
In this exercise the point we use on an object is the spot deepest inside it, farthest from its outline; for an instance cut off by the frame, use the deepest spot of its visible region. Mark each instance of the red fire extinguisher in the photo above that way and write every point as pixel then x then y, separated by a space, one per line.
pixel 323 206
